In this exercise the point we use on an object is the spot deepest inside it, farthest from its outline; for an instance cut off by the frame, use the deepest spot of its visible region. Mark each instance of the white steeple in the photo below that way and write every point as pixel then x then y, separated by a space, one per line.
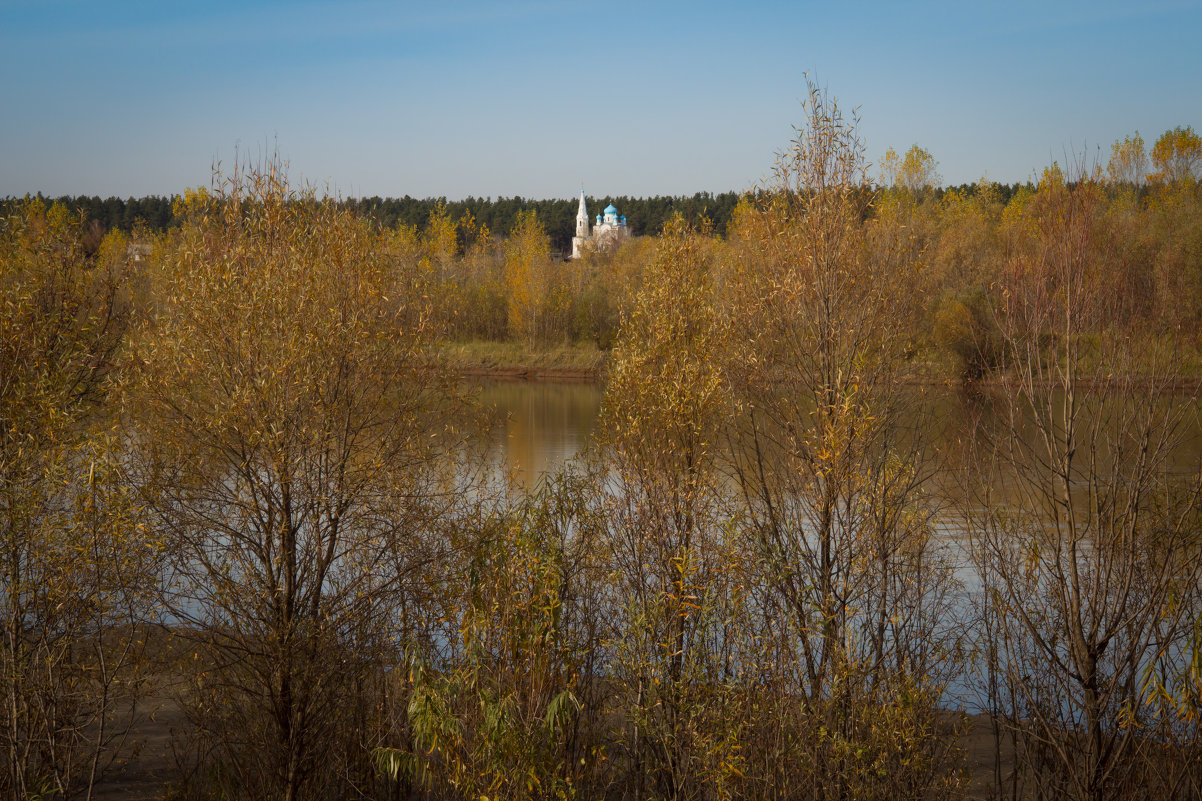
pixel 581 227
pixel 582 218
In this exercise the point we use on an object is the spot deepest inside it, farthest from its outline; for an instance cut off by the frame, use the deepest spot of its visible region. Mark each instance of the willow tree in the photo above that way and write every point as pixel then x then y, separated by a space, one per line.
pixel 675 566
pixel 832 475
pixel 75 565
pixel 289 428
pixel 1086 531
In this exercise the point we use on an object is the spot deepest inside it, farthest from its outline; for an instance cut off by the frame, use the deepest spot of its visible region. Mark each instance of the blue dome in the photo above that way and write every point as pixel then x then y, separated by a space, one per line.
pixel 610 209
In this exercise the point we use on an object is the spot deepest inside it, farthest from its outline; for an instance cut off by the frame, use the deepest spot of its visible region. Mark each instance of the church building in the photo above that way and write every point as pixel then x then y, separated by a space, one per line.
pixel 609 232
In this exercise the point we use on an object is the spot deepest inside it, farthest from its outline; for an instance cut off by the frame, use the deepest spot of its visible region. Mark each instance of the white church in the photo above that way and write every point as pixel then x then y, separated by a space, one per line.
pixel 609 232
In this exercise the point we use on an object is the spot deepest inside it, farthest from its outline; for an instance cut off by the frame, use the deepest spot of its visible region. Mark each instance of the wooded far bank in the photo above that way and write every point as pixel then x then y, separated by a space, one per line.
pixel 647 216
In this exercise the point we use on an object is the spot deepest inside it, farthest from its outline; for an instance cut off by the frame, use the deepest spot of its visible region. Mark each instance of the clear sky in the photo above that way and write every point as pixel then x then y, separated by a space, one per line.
pixel 533 98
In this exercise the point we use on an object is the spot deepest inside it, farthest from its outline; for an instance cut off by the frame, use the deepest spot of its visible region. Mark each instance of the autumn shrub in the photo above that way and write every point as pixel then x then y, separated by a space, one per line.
pixel 497 711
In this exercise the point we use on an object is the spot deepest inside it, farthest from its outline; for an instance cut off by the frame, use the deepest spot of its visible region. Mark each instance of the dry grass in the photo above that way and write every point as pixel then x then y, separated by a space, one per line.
pixel 583 360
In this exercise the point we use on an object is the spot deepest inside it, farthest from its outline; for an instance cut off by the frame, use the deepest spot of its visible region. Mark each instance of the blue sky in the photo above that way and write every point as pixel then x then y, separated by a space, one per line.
pixel 532 98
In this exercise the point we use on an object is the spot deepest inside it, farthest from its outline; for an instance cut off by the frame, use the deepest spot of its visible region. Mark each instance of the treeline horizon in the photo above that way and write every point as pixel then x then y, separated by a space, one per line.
pixel 646 216
pixel 1175 156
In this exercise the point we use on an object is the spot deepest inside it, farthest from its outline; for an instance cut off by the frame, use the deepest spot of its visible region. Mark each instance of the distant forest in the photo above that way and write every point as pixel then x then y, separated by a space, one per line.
pixel 646 216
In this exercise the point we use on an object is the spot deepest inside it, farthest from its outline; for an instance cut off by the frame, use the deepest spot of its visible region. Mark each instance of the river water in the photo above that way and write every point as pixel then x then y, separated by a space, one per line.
pixel 538 426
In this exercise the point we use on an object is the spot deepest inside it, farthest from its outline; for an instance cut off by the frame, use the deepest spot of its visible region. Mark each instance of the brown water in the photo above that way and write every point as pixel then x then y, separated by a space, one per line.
pixel 539 425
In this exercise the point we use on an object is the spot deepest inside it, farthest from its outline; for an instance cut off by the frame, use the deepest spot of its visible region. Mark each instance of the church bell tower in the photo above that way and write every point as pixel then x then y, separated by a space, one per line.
pixel 581 228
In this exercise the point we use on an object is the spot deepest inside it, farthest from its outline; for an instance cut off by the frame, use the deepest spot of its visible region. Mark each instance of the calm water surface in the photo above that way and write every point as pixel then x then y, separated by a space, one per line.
pixel 539 425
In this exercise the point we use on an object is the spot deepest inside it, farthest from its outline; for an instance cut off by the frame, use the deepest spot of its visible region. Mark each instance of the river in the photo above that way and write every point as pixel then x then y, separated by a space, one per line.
pixel 539 425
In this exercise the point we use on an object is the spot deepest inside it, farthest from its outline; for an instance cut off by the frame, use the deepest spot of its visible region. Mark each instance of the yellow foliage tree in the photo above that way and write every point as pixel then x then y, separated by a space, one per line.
pixel 76 566
pixel 675 564
pixel 527 264
pixel 1177 156
pixel 832 480
pixel 914 172
pixel 289 427
pixel 1128 162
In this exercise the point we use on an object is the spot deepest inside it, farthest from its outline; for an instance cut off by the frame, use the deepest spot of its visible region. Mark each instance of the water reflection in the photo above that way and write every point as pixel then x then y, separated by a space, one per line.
pixel 539 425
